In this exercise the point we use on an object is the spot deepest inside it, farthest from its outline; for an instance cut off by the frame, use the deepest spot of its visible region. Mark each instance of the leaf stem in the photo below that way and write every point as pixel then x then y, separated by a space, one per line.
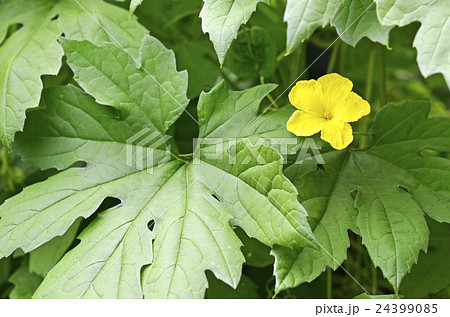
pixel 179 17
pixel 186 155
pixel 272 101
pixel 329 283
pixel 227 79
pixel 176 157
pixel 281 56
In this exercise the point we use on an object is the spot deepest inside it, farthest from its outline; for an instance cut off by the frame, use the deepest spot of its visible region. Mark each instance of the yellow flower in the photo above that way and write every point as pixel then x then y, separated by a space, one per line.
pixel 326 105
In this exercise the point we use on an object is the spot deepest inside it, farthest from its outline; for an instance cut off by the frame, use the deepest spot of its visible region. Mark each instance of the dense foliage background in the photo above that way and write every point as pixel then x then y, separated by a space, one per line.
pixel 385 52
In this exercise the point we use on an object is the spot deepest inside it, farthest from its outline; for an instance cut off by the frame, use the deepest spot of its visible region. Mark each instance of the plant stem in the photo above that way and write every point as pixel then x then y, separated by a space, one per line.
pixel 374 279
pixel 227 79
pixel 334 55
pixel 342 56
pixel 4 161
pixel 329 283
pixel 269 13
pixel 368 94
pixel 296 63
pixel 281 56
pixel 369 78
pixel 272 101
pixel 383 75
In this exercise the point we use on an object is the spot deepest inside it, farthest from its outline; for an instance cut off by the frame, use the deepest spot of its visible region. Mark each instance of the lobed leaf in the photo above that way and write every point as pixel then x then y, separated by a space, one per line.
pixel 356 19
pixel 173 222
pixel 222 19
pixel 32 49
pixel 29 52
pixel 430 276
pixel 380 193
pixel 303 17
pixel 431 40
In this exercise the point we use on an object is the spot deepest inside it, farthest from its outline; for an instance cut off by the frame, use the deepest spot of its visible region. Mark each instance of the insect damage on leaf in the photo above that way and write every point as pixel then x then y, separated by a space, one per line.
pixel 390 221
pixel 191 230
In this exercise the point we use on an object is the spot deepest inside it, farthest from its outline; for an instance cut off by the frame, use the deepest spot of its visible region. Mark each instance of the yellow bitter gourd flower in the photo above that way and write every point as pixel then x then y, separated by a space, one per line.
pixel 326 105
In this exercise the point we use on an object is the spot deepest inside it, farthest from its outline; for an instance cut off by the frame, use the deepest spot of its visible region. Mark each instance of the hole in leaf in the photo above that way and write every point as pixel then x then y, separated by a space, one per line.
pixel 402 188
pixel 354 193
pixel 151 225
pixel 321 167
pixel 143 269
pixel 215 197
pixel 114 112
pixel 55 17
pixel 10 31
pixel 79 164
pixel 109 202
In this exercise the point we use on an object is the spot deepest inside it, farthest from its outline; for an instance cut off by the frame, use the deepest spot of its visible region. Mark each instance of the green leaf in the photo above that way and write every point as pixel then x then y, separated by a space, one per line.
pixel 430 275
pixel 25 283
pixel 431 40
pixel 225 114
pixel 170 23
pixel 303 17
pixel 32 49
pixel 173 222
pixel 99 22
pixel 134 4
pixel 356 19
pixel 380 193
pixel 30 52
pixel 46 256
pixel 252 54
pixel 153 96
pixel 222 19
pixel 330 214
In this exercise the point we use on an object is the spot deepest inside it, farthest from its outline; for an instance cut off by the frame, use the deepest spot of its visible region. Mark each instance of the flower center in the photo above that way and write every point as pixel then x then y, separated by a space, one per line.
pixel 327 115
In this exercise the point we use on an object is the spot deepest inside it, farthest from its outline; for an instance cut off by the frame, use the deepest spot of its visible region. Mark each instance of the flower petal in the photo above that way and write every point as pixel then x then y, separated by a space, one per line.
pixel 335 89
pixel 305 124
pixel 307 95
pixel 337 133
pixel 351 109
